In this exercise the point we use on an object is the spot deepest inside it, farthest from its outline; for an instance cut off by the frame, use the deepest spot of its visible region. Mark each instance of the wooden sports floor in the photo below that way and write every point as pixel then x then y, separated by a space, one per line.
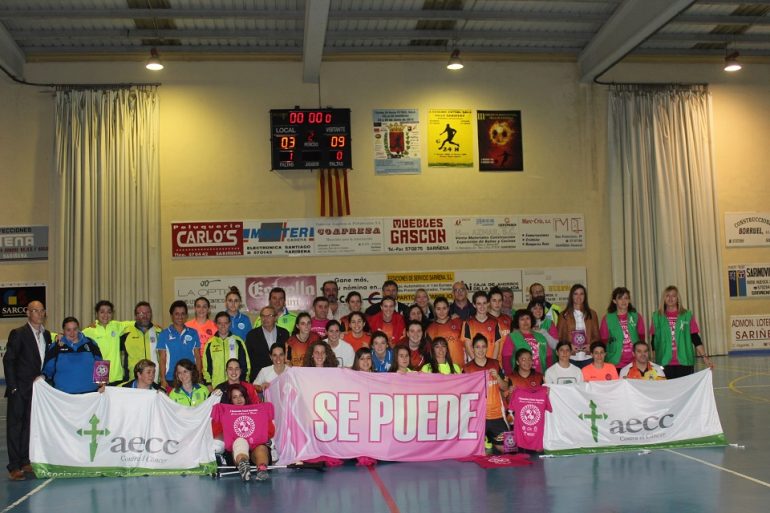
pixel 725 479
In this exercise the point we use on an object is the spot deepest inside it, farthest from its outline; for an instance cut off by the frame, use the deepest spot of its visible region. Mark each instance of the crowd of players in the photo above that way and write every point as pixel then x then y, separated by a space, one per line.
pixel 191 358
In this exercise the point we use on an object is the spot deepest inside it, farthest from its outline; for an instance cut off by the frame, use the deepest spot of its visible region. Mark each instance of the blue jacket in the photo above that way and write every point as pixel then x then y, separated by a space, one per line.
pixel 69 366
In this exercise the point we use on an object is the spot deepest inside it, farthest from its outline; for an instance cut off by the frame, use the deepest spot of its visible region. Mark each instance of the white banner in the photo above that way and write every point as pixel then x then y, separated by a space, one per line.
pixel 121 432
pixel 617 415
pixel 750 332
pixel 747 229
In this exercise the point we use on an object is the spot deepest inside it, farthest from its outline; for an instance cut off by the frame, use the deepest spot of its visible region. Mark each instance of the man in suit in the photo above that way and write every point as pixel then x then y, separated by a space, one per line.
pixel 23 363
pixel 259 340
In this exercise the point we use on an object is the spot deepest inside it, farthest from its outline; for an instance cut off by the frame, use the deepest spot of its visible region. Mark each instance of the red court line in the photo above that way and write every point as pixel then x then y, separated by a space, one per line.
pixel 392 506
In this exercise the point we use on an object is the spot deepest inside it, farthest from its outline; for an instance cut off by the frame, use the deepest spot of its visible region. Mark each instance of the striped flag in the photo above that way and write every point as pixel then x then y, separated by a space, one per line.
pixel 333 193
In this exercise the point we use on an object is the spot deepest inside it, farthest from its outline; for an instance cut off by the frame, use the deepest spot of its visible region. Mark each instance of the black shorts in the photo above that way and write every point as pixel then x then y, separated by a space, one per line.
pixel 494 428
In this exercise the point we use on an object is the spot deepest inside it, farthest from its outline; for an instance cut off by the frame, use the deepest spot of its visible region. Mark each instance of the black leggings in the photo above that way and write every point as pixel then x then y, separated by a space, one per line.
pixel 678 371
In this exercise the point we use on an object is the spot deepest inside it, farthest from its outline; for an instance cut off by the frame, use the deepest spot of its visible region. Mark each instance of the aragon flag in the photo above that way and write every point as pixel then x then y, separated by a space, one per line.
pixel 333 193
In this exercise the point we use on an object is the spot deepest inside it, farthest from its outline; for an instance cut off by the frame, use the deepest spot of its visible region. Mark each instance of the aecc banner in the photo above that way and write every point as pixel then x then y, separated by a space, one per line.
pixel 121 432
pixel 616 415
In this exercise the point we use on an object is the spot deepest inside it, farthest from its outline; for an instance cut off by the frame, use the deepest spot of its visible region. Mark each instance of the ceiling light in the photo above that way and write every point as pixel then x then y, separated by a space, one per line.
pixel 154 63
pixel 455 62
pixel 731 62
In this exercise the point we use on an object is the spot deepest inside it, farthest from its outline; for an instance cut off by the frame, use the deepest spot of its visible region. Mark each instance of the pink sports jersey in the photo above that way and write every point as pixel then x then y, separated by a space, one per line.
pixel 530 405
pixel 251 422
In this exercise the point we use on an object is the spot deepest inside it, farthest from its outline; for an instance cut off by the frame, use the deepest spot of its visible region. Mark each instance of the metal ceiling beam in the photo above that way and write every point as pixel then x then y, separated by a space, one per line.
pixel 316 19
pixel 190 52
pixel 631 23
pixel 108 14
pixel 709 37
pixel 337 15
pixel 338 35
pixel 11 56
pixel 722 19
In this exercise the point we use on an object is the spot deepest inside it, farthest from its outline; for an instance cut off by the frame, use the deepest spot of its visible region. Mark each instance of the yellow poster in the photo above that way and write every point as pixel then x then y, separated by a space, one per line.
pixel 450 138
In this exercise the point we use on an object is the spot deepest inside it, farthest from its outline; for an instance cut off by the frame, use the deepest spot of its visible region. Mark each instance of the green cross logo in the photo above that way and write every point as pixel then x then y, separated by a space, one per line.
pixel 593 417
pixel 93 433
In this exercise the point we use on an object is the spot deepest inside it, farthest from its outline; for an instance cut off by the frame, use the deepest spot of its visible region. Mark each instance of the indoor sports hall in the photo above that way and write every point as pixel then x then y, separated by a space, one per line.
pixel 264 158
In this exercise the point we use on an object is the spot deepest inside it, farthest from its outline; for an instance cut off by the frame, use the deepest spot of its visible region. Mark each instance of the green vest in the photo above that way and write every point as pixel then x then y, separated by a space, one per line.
pixel 199 395
pixel 685 352
pixel 615 343
pixel 137 345
pixel 519 342
pixel 286 321
pixel 108 339
pixel 216 357
pixel 553 313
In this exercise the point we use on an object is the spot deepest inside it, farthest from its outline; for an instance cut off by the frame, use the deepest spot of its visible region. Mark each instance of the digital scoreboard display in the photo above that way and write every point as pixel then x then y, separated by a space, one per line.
pixel 310 138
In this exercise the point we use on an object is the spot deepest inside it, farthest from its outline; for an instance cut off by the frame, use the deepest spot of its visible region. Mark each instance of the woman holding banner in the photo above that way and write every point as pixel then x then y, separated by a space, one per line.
pixel 402 359
pixel 496 386
pixel 187 389
pixel 524 376
pixel 261 429
pixel 440 362
pixel 363 360
pixel 675 337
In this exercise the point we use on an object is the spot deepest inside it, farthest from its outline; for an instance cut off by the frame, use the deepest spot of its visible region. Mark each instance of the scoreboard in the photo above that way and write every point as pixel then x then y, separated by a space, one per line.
pixel 310 138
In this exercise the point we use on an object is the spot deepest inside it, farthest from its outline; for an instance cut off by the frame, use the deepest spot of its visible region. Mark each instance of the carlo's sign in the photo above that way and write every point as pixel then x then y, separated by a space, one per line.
pixel 220 238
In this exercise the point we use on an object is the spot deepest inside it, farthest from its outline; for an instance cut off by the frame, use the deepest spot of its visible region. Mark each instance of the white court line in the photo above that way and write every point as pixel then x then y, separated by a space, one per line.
pixel 30 494
pixel 744 476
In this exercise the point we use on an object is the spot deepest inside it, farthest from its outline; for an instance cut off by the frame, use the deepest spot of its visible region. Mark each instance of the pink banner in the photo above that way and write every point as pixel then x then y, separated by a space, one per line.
pixel 345 414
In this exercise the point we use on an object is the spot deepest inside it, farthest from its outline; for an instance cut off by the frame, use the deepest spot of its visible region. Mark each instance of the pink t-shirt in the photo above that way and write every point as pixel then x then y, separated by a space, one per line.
pixel 318 326
pixel 250 421
pixel 627 355
pixel 529 405
pixel 535 347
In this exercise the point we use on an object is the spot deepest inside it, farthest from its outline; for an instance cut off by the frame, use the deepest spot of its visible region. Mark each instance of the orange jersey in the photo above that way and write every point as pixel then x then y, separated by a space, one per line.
pixel 296 349
pixel 494 396
pixel 503 324
pixel 205 331
pixel 357 343
pixel 451 331
pixel 488 328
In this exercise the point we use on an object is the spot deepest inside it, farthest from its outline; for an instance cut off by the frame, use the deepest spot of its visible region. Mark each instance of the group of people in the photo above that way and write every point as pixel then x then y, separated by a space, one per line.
pixel 191 358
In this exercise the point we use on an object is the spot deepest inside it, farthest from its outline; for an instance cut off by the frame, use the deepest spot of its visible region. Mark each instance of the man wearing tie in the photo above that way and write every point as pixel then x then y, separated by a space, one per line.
pixel 23 362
